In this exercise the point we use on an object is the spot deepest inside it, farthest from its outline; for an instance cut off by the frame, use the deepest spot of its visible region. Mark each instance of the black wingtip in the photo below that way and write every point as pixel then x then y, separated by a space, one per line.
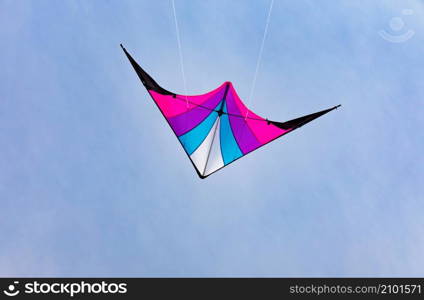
pixel 296 123
pixel 123 48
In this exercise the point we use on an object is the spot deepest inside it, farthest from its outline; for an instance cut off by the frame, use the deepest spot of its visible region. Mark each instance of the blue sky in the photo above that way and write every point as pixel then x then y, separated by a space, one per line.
pixel 93 182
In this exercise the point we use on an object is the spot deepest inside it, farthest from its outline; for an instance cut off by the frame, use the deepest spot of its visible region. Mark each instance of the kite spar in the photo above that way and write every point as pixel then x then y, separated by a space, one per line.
pixel 216 128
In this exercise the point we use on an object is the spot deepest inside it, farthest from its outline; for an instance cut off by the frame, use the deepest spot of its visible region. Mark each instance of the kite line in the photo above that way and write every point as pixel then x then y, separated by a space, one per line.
pixel 258 62
pixel 177 30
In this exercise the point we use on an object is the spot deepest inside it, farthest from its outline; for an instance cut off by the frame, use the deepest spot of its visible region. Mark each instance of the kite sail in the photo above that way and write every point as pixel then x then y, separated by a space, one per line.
pixel 216 128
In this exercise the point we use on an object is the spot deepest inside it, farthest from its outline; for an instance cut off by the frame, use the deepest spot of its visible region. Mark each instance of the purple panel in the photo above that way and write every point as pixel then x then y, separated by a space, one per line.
pixel 185 122
pixel 244 136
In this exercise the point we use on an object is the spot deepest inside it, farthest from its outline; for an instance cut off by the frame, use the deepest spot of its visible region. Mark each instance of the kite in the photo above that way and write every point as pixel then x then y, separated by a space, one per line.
pixel 215 129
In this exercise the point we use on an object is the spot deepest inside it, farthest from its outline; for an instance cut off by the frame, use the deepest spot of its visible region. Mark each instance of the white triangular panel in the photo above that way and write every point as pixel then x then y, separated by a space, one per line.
pixel 200 156
pixel 215 157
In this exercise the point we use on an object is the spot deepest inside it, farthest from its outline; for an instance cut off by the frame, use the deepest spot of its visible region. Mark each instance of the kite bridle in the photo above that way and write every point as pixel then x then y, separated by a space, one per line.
pixel 258 62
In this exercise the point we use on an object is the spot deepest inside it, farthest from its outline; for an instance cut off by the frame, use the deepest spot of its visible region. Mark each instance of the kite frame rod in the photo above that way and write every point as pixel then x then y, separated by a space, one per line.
pixel 231 114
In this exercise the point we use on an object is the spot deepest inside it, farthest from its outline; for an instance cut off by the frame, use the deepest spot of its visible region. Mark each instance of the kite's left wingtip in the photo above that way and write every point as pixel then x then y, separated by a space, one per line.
pixel 122 46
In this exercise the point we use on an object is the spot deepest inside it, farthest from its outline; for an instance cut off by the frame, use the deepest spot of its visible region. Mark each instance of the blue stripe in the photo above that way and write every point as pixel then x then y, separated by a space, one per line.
pixel 229 148
pixel 192 139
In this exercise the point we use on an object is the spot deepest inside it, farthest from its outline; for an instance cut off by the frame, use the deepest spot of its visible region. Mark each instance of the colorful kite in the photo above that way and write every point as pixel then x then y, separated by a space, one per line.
pixel 216 128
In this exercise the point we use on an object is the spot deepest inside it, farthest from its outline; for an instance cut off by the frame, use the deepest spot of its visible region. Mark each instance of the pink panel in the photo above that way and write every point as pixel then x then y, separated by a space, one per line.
pixel 263 132
pixel 172 107
pixel 168 105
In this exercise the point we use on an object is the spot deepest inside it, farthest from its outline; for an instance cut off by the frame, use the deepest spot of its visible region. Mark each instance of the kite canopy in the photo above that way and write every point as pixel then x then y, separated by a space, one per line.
pixel 216 128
